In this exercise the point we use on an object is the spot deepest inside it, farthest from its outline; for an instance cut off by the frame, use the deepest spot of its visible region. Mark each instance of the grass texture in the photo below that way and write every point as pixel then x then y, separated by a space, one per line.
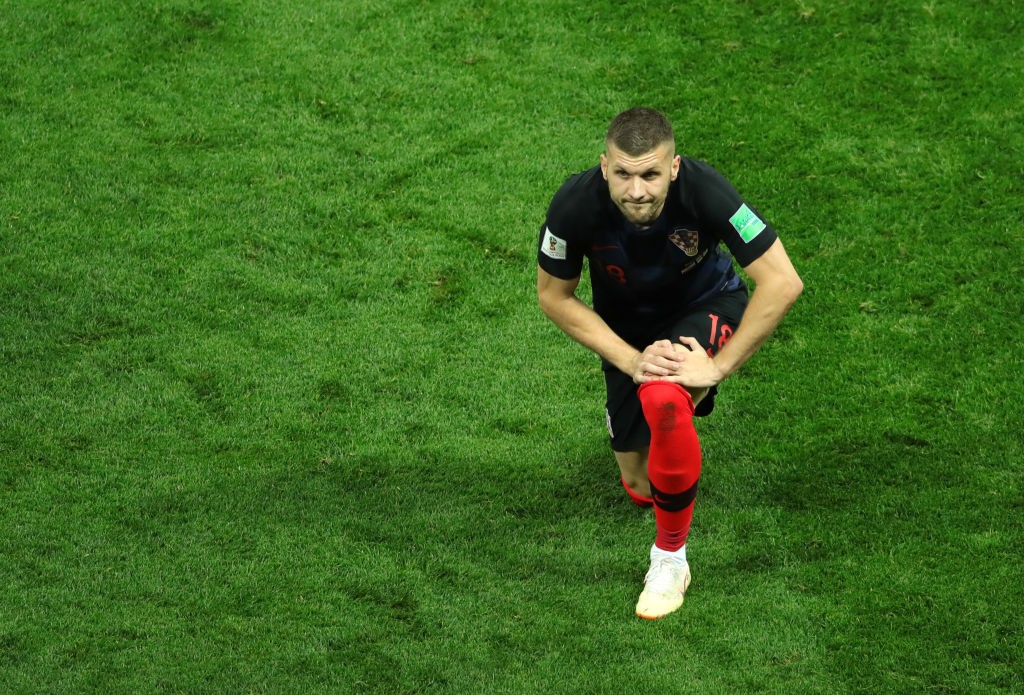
pixel 279 412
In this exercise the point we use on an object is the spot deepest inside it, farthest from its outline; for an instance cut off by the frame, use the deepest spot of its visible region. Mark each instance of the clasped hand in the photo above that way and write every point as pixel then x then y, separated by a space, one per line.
pixel 685 363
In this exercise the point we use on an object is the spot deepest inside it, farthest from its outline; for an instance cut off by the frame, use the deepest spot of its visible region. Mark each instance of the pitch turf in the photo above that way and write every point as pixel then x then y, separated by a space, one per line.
pixel 279 414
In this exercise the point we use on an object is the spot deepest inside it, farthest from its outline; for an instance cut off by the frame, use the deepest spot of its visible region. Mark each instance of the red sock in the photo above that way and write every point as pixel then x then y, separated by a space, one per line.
pixel 673 464
pixel 638 500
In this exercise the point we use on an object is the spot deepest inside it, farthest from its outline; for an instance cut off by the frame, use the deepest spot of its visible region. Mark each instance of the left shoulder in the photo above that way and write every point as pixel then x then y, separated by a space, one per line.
pixel 705 191
pixel 698 178
pixel 714 201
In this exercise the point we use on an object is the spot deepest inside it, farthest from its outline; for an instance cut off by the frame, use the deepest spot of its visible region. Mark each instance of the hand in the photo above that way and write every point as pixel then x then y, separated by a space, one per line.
pixel 695 368
pixel 659 360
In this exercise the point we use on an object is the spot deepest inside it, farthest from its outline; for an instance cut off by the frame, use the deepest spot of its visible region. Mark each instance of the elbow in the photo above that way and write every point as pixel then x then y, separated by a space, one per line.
pixel 545 303
pixel 552 294
pixel 785 289
pixel 796 286
pixel 549 308
pixel 793 289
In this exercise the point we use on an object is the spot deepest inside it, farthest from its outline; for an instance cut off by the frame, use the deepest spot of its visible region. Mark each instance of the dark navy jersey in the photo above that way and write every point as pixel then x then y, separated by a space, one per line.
pixel 644 278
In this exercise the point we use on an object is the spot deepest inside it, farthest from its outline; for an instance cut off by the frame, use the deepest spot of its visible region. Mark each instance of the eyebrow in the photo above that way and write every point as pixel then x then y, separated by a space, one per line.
pixel 644 172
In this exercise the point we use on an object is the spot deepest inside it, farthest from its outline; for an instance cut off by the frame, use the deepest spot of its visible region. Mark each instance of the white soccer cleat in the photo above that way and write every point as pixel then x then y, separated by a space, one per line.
pixel 664 586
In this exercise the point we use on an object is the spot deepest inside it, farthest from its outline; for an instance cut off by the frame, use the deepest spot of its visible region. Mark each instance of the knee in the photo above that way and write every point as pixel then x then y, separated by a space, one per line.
pixel 662 402
pixel 636 481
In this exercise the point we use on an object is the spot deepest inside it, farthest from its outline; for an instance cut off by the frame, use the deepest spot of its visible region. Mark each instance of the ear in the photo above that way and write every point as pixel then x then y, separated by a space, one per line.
pixel 675 166
pixel 604 167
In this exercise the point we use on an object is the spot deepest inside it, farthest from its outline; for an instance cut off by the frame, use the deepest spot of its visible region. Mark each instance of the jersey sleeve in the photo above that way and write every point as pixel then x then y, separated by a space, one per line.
pixel 736 222
pixel 560 251
pixel 558 256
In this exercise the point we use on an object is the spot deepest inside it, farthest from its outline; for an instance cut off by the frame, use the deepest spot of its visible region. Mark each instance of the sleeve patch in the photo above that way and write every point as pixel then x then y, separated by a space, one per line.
pixel 746 223
pixel 553 247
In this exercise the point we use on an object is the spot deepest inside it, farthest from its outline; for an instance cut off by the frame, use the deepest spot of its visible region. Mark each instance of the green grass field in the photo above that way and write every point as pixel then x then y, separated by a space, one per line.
pixel 279 412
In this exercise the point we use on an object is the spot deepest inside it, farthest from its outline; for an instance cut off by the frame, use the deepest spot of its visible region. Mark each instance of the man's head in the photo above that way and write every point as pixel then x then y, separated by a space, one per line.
pixel 640 163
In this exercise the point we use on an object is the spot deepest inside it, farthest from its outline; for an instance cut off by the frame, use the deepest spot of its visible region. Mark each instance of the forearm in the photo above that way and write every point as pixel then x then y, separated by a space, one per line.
pixel 767 306
pixel 588 329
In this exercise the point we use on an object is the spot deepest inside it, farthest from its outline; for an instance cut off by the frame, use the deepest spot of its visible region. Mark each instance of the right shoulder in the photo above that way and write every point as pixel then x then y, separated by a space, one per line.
pixel 579 203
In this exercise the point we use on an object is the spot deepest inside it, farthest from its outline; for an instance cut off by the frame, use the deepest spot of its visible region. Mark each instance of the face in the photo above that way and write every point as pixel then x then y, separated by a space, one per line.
pixel 639 185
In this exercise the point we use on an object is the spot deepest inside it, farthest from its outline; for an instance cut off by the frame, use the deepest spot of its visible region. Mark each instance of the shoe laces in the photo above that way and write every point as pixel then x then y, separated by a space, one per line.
pixel 664 575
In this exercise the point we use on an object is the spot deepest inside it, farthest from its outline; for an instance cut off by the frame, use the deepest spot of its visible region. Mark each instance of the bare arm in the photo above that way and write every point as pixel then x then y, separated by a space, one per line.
pixel 776 286
pixel 558 301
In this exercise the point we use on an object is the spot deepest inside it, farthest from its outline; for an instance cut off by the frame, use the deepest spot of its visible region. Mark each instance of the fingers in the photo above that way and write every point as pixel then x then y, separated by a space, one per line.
pixel 691 343
pixel 657 366
pixel 660 357
pixel 656 361
pixel 687 364
pixel 663 359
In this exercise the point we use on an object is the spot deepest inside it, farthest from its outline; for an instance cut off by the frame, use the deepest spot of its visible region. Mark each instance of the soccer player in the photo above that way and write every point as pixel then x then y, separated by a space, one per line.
pixel 671 318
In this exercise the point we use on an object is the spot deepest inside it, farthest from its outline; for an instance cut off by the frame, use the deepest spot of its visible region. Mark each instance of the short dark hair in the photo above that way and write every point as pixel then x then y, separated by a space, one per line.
pixel 639 130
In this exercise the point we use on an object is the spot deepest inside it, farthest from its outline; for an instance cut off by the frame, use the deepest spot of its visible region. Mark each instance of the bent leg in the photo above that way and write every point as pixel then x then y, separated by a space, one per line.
pixel 673 462
pixel 633 467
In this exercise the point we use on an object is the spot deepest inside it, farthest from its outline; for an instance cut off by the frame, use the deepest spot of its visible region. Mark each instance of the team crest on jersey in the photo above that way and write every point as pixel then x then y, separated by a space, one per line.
pixel 687 240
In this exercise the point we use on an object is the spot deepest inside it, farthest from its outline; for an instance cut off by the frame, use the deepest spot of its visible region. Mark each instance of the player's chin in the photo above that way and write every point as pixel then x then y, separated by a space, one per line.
pixel 642 217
